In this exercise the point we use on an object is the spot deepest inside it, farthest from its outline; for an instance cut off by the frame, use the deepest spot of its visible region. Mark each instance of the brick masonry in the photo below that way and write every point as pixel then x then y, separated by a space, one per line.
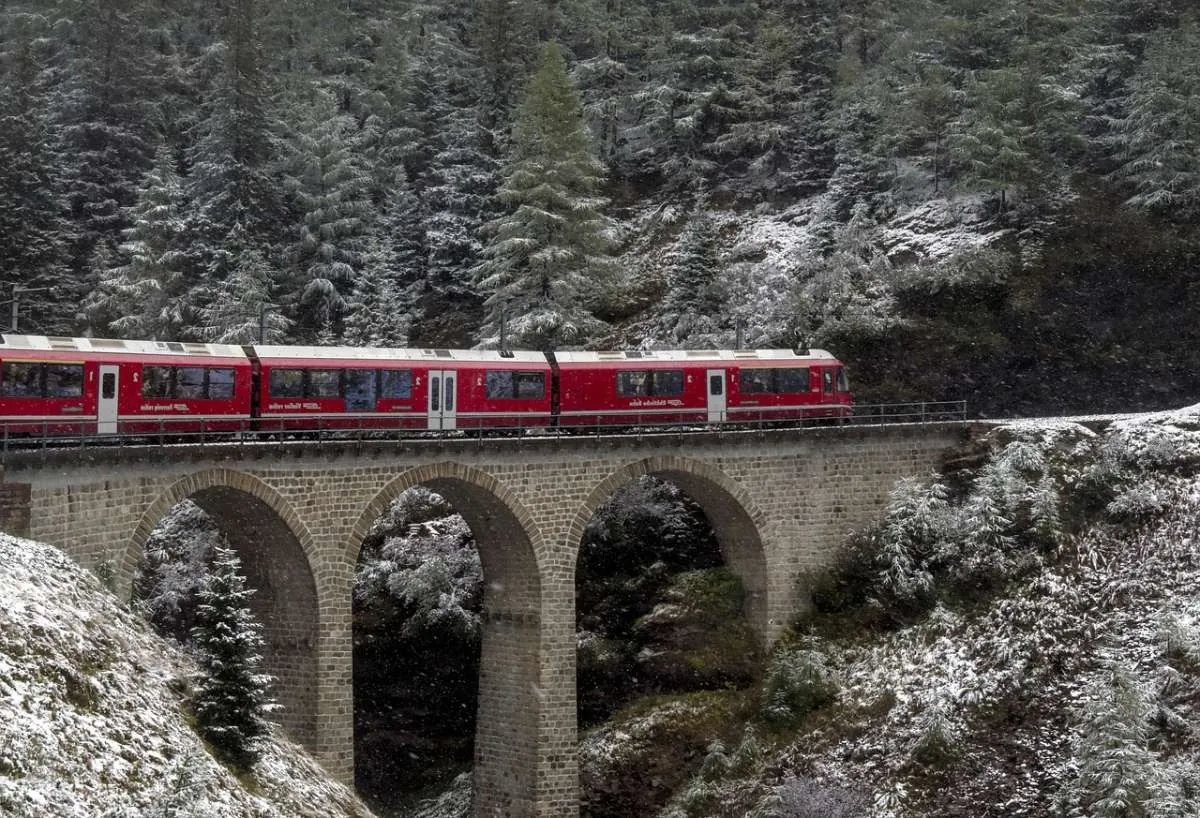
pixel 781 502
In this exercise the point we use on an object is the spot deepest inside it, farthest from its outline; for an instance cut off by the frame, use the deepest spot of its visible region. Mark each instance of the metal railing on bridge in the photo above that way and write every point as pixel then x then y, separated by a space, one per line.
pixel 65 433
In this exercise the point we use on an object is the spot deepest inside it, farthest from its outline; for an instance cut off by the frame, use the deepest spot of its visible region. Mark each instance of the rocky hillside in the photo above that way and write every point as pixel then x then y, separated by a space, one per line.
pixel 1017 639
pixel 91 717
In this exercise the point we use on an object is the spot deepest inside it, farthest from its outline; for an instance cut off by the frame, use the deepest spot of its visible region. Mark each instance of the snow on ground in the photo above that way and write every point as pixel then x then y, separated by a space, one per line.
pixel 976 710
pixel 91 721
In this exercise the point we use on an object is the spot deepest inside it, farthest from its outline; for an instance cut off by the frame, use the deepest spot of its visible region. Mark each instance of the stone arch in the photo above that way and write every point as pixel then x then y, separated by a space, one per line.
pixel 509 716
pixel 277 553
pixel 735 517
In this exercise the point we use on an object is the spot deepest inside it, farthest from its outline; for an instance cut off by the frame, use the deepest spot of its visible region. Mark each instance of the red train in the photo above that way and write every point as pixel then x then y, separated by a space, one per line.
pixel 90 386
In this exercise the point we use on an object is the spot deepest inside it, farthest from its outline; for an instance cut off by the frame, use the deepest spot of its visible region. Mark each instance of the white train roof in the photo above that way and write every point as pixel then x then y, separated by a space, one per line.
pixel 398 354
pixel 740 356
pixel 54 343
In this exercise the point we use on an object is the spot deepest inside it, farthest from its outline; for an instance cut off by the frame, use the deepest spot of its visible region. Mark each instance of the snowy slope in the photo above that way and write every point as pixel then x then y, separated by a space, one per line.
pixel 91 722
pixel 1009 703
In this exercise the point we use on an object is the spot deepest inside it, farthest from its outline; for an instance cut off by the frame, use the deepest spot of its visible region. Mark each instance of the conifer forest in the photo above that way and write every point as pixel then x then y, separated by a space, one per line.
pixel 946 194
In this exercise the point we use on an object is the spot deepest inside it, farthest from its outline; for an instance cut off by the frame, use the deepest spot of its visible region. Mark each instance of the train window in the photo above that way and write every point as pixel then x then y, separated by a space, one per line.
pixel 668 382
pixel 220 384
pixel 396 384
pixel 156 381
pixel 827 379
pixel 21 380
pixel 64 380
pixel 630 384
pixel 324 383
pixel 189 382
pixel 754 381
pixel 843 383
pixel 287 383
pixel 108 386
pixel 499 383
pixel 791 380
pixel 360 389
pixel 531 385
pixel 504 384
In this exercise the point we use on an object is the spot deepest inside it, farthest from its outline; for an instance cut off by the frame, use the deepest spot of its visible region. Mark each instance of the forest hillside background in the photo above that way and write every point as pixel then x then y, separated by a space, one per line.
pixel 992 201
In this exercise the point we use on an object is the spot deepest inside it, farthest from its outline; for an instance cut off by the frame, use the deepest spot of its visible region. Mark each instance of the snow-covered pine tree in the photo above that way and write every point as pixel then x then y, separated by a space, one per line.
pixel 502 35
pixel 34 236
pixel 775 140
pixel 685 102
pixel 691 307
pixel 231 698
pixel 240 311
pixel 453 174
pixel 233 186
pixel 104 110
pixel 330 194
pixel 381 307
pixel 1116 776
pixel 146 291
pixel 1157 142
pixel 547 259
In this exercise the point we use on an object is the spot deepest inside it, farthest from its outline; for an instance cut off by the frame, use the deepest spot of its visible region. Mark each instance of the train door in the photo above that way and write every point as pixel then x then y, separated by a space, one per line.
pixel 443 398
pixel 716 396
pixel 106 400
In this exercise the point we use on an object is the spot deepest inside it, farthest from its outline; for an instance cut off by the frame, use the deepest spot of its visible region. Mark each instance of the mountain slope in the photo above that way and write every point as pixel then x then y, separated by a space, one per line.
pixel 91 716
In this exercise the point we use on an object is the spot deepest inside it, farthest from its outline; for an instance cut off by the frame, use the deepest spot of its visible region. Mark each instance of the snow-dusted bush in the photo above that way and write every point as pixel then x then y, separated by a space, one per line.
pixel 975 269
pixel 936 742
pixel 748 755
pixel 1180 642
pixel 1141 501
pixel 454 802
pixel 175 563
pixel 914 529
pixel 798 682
pixel 430 570
pixel 807 798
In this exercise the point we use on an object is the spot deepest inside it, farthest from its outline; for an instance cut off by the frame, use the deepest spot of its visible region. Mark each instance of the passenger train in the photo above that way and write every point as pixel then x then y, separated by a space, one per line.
pixel 53 386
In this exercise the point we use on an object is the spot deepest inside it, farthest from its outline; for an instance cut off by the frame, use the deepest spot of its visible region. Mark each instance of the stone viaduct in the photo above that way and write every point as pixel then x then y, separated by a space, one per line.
pixel 780 501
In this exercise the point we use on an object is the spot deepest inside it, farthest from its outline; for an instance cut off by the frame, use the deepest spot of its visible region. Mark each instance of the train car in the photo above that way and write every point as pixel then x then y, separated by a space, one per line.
pixel 438 389
pixel 645 388
pixel 785 385
pixel 95 386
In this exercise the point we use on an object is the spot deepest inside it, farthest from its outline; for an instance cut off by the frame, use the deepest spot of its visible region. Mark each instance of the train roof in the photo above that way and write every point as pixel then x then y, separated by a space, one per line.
pixel 492 356
pixel 54 343
pixel 739 356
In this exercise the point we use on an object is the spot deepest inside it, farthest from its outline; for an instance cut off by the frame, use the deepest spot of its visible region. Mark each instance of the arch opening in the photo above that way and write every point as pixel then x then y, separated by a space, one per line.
pixel 446 640
pixel 176 554
pixel 670 572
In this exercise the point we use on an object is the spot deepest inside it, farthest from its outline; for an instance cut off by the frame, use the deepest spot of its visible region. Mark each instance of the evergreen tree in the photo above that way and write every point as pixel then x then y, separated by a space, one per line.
pixel 691 307
pixel 331 196
pixel 1116 769
pixel 231 699
pixel 503 37
pixel 1158 140
pixel 104 107
pixel 240 310
pixel 687 101
pixel 549 253
pixel 383 303
pixel 780 94
pixel 34 235
pixel 147 293
pixel 232 185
